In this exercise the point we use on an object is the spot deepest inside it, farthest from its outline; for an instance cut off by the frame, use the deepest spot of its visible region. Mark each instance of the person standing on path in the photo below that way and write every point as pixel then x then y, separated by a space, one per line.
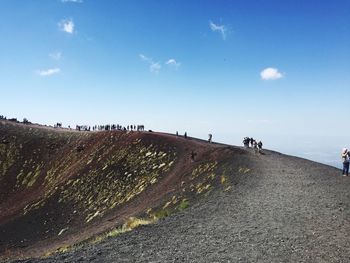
pixel 255 146
pixel 345 159
pixel 260 144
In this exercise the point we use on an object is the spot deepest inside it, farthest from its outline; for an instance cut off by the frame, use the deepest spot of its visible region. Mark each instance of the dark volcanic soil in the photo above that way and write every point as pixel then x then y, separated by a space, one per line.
pixel 279 209
pixel 287 210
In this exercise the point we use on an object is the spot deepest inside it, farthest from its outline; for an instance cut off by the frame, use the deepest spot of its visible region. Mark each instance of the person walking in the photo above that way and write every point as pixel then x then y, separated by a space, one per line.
pixel 251 140
pixel 345 159
pixel 255 146
pixel 260 144
pixel 210 137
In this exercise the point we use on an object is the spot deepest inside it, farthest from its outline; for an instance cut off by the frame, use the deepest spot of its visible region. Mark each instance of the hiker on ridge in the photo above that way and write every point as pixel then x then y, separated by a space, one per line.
pixel 210 137
pixel 246 142
pixel 345 158
pixel 255 146
pixel 260 144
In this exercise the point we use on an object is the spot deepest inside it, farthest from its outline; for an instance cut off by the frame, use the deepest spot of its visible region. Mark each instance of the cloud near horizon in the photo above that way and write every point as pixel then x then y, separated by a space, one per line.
pixel 218 28
pixel 49 72
pixel 271 74
pixel 66 25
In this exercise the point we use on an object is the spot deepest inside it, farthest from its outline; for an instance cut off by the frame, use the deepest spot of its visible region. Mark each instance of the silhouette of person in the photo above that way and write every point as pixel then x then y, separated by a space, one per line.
pixel 260 144
pixel 345 159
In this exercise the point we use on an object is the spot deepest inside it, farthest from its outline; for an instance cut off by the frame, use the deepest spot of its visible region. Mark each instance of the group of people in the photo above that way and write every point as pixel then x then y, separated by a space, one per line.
pixel 251 142
pixel 2 117
pixel 177 134
pixel 210 136
pixel 107 127
pixel 25 120
pixel 345 156
pixel 58 125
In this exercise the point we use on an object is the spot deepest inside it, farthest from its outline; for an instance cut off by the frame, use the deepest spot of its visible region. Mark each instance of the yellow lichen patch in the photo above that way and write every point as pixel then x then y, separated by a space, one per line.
pixel 130 224
pixel 105 188
pixel 203 168
pixel 201 188
pixel 33 178
pixel 134 222
pixel 167 204
pixel 62 231
pixel 8 154
pixel 223 179
pixel 228 188
pixel 211 176
pixel 92 216
pixel 63 249
pixel 243 170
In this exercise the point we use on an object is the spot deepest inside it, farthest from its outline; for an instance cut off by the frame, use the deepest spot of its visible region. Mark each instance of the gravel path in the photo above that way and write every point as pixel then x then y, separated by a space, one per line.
pixel 286 210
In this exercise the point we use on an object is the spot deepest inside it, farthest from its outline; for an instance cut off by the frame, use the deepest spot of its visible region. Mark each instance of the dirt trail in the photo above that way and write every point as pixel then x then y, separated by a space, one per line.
pixel 285 209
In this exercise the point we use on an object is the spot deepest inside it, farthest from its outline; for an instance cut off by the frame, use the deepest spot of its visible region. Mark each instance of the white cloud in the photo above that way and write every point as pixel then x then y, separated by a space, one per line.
pixel 218 28
pixel 49 72
pixel 66 25
pixel 271 74
pixel 173 62
pixel 72 1
pixel 154 67
pixel 144 58
pixel 57 55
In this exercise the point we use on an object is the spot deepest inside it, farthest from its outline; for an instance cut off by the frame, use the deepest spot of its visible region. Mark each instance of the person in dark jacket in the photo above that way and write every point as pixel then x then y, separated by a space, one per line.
pixel 260 144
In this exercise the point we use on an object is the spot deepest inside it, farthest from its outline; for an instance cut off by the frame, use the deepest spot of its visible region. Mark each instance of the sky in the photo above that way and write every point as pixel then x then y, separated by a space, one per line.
pixel 278 71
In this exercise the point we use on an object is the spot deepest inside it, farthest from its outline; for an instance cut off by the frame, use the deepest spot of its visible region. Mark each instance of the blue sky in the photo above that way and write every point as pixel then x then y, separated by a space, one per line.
pixel 195 66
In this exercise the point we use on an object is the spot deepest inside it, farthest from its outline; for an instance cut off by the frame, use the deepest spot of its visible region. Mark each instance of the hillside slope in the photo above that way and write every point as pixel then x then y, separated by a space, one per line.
pixel 242 207
pixel 61 187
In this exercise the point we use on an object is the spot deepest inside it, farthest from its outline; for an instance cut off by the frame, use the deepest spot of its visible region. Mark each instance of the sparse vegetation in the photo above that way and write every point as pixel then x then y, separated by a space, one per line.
pixel 110 171
pixel 183 205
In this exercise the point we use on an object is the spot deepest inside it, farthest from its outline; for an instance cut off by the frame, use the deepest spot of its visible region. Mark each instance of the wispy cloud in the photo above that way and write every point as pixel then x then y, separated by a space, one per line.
pixel 271 74
pixel 218 28
pixel 66 25
pixel 57 55
pixel 172 62
pixel 72 1
pixel 48 72
pixel 154 67
pixel 144 58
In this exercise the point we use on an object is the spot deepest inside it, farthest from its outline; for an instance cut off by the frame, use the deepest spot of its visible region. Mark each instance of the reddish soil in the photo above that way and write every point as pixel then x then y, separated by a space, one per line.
pixel 37 232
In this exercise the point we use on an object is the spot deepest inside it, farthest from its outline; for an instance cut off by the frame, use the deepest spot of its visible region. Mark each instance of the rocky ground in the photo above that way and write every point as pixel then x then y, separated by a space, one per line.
pixel 284 209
